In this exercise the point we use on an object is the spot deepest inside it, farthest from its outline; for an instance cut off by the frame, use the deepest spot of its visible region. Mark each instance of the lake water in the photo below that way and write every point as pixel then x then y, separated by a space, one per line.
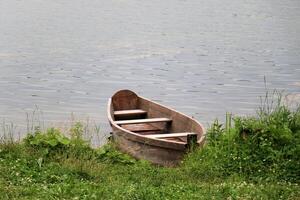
pixel 200 57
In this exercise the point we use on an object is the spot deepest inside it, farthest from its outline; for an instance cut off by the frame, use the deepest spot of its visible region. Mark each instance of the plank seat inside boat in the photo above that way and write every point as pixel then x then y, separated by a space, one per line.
pixel 140 127
pixel 170 135
pixel 143 129
pixel 130 112
pixel 141 121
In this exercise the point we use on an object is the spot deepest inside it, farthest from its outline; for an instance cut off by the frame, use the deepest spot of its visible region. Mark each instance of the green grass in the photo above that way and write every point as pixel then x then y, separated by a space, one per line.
pixel 108 174
pixel 249 158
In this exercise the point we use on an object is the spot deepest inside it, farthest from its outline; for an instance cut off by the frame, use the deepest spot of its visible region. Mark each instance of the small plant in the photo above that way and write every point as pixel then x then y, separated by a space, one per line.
pixel 108 153
pixel 215 132
pixel 45 143
pixel 77 132
pixel 52 139
pixel 8 131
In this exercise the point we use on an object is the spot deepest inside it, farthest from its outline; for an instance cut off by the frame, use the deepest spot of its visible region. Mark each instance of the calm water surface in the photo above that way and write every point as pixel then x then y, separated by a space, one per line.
pixel 201 57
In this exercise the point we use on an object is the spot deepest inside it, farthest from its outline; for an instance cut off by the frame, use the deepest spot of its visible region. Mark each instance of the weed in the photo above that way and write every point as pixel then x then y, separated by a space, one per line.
pixel 263 147
pixel 108 153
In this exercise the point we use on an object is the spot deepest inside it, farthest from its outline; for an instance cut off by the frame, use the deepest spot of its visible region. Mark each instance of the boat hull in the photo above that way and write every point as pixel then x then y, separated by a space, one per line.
pixel 155 154
pixel 157 151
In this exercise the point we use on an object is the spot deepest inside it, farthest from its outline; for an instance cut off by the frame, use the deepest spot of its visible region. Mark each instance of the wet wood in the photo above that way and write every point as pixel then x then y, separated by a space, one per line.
pixel 140 121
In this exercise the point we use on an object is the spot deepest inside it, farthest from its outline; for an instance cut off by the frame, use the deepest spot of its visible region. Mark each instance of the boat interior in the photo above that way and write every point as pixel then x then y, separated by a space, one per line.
pixel 140 116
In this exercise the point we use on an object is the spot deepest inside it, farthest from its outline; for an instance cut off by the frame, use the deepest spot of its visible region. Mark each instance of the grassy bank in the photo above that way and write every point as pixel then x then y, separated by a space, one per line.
pixel 255 158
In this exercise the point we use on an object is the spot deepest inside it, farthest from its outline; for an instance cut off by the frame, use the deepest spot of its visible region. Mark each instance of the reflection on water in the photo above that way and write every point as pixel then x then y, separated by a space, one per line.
pixel 201 57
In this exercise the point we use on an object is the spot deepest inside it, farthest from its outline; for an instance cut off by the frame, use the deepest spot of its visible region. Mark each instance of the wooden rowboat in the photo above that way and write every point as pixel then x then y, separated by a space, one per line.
pixel 147 130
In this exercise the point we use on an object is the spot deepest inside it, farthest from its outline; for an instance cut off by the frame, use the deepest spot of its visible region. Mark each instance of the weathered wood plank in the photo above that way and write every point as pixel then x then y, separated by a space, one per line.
pixel 125 100
pixel 150 132
pixel 140 121
pixel 169 135
pixel 140 127
pixel 129 112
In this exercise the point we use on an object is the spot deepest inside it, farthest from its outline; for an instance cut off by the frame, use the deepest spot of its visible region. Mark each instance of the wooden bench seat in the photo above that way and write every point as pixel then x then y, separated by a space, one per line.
pixel 170 135
pixel 141 121
pixel 129 112
pixel 140 127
